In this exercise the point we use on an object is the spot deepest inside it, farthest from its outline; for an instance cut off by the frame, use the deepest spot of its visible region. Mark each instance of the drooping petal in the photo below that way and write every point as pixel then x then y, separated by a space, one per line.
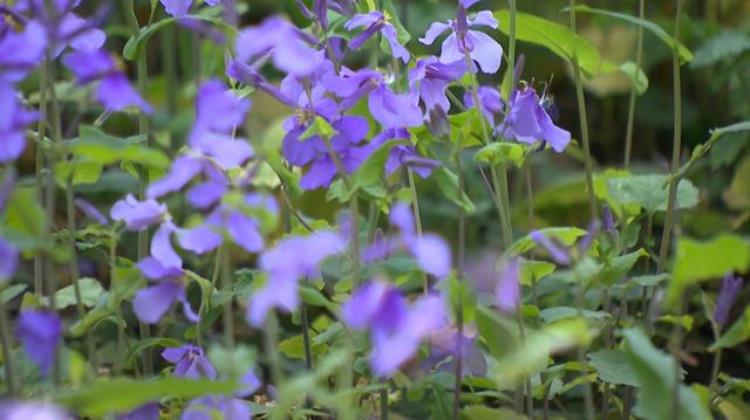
pixel 9 255
pixel 321 173
pixel 88 66
pixel 150 304
pixel 116 94
pixel 393 110
pixel 508 289
pixel 434 31
pixel 183 170
pixel 244 232
pixel 138 215
pixel 557 137
pixel 450 52
pixel 39 331
pixel 364 304
pixel 397 49
pixel 486 51
pixel 432 254
pixel 176 7
pixel 201 239
pixel 280 292
pixel 731 286
pixel 161 247
pixel 483 18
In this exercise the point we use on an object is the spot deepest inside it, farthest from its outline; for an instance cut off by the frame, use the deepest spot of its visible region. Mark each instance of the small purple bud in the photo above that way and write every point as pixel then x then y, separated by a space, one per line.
pixel 91 211
pixel 730 288
pixel 557 252
pixel 592 231
pixel 608 219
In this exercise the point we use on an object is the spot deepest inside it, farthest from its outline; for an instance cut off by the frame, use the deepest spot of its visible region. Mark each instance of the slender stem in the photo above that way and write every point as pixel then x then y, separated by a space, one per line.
pixel 461 264
pixel 512 45
pixel 676 148
pixel 588 395
pixel 384 404
pixel 39 172
pixel 633 93
pixel 117 368
pixel 715 369
pixel 227 280
pixel 206 299
pixel 418 220
pixel 584 123
pixel 530 193
pixel 270 343
pixel 75 272
pixel 306 336
pixel 143 129
pixel 5 343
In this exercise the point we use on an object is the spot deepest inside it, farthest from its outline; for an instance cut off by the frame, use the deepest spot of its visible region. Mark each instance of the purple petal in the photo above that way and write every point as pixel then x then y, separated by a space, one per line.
pixel 244 232
pixel 450 53
pixel 206 194
pixel 435 30
pixel 183 170
pixel 9 255
pixel 280 292
pixel 88 66
pixel 508 289
pixel 116 94
pixel 152 269
pixel 393 110
pixel 432 254
pixel 731 286
pixel 486 51
pixel 201 239
pixel 40 333
pixel 398 50
pixel 176 7
pixel 483 18
pixel 161 247
pixel 138 215
pixel 150 304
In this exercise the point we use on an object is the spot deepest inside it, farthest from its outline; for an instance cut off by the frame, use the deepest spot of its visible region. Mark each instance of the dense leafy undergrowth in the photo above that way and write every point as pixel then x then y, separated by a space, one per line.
pixel 167 251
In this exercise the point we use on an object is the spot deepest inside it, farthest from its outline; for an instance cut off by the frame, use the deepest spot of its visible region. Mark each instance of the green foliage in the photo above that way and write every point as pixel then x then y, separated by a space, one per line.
pixel 502 153
pixel 447 182
pixel 726 45
pixel 651 192
pixel 613 367
pixel 738 333
pixel 91 292
pixel 566 235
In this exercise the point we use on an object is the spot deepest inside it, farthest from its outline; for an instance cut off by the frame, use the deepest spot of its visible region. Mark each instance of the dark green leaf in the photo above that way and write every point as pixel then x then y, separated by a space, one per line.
pixel 613 367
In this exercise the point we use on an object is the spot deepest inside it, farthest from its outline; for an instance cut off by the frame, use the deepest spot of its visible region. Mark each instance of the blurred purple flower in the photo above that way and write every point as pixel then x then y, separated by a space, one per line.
pixel 375 22
pixel 138 215
pixel 444 343
pixel 218 110
pixel 731 286
pixel 9 255
pixel 22 51
pixel 490 102
pixel 148 411
pixel 176 7
pixel 190 362
pixel 528 121
pixel 91 211
pixel 40 332
pixel 480 46
pixel 508 288
pixel 431 78
pixel 395 327
pixel 31 410
pixel 557 251
pixel 13 123
pixel 274 36
pixel 283 273
pixel 116 93
pixel 217 406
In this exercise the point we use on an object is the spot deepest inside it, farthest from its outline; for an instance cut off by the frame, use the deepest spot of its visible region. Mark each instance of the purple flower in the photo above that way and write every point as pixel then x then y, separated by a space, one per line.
pixel 22 51
pixel 390 109
pixel 91 211
pixel 40 332
pixel 79 33
pixel 284 272
pixel 481 47
pixel 508 289
pixel 176 7
pixel 217 406
pixel 731 286
pixel 444 343
pixel 8 260
pixel 430 251
pixel 189 362
pixel 12 124
pixel 116 93
pixel 138 215
pixel 528 121
pixel 278 38
pixel 556 251
pixel 148 411
pixel 376 22
pixel 431 78
pixel 396 328
pixel 218 110
pixel 402 155
pixel 490 102
pixel 31 410
pixel 151 303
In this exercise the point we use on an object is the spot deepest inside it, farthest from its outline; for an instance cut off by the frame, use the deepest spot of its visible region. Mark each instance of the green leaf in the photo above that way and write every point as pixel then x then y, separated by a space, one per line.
pixel 92 319
pixel 83 172
pixel 738 333
pixel 697 261
pixel 294 347
pixel 557 38
pixel 682 51
pixel 25 218
pixel 368 175
pixel 556 313
pixel 651 192
pixel 319 127
pixel 650 280
pixel 499 333
pixel 613 367
pixel 91 291
pixel 136 42
pixel 314 297
pixel 121 395
pixel 654 370
pixel 96 146
pixel 636 75
pixel 447 182
pixel 725 45
pixel 566 235
pixel 620 266
pixel 502 152
pixel 533 271
pixel 9 293
pixel 481 412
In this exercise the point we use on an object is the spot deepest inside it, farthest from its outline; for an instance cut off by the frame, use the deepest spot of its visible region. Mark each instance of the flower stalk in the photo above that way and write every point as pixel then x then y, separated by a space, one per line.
pixel 633 93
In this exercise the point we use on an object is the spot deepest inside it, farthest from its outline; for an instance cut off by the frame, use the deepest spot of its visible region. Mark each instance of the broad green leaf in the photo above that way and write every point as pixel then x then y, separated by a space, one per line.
pixel 566 235
pixel 733 408
pixel 651 192
pixel 556 313
pixel 96 146
pixel 557 38
pixel 738 333
pixel 533 271
pixel 636 75
pixel 498 332
pixel 9 293
pixel 314 297
pixel 650 280
pixel 501 152
pixel 135 43
pixel 682 51
pixel 724 46
pixel 294 347
pixel 697 261
pixel 83 172
pixel 613 367
pixel 25 219
pixel 654 370
pixel 121 395
pixel 619 267
pixel 91 291
pixel 447 182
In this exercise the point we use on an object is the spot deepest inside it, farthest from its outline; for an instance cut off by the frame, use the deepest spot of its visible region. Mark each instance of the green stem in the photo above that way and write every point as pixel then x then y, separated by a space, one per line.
pixel 384 404
pixel 583 122
pixel 676 149
pixel 460 263
pixel 5 343
pixel 270 343
pixel 117 368
pixel 418 220
pixel 143 129
pixel 75 272
pixel 633 93
pixel 227 287
pixel 205 300
pixel 39 171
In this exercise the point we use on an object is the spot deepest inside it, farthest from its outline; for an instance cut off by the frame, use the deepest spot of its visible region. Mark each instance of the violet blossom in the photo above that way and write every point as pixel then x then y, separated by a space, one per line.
pixel 430 78
pixel 32 410
pixel 22 51
pixel 9 255
pixel 375 22
pixel 13 123
pixel 402 155
pixel 731 286
pixel 190 362
pixel 138 215
pixel 528 122
pixel 217 406
pixel 490 102
pixel 508 288
pixel 40 332
pixel 284 273
pixel 480 47
pixel 148 411
pixel 396 328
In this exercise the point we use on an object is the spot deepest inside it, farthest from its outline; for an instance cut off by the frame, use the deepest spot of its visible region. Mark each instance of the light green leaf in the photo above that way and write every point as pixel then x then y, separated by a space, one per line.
pixel 556 313
pixel 83 172
pixel 498 332
pixel 620 266
pixel 738 333
pixel 9 293
pixel 501 152
pixel 726 45
pixel 654 370
pixel 447 182
pixel 121 395
pixel 319 127
pixel 96 146
pixel 697 261
pixel 25 219
pixel 682 51
pixel 566 235
pixel 636 75
pixel 91 291
pixel 533 271
pixel 557 38
pixel 651 192
pixel 294 347
pixel 481 412
pixel 613 367
pixel 650 280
